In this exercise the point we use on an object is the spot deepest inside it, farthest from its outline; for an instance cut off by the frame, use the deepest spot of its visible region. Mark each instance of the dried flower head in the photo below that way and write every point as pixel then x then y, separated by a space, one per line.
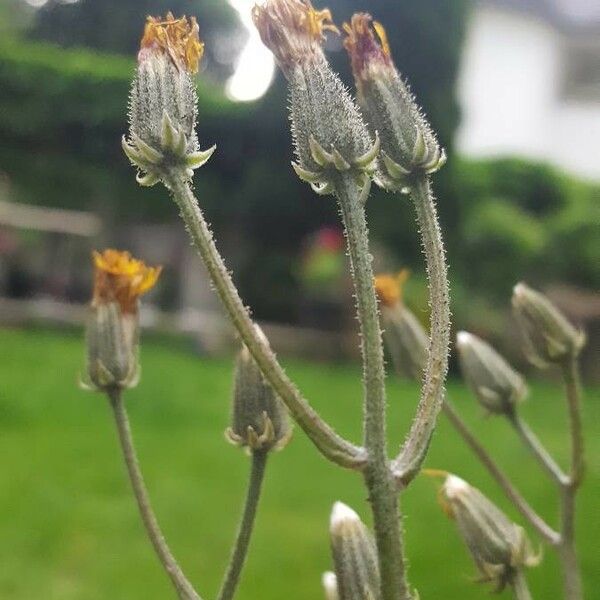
pixel 178 38
pixel 121 278
pixel 292 29
pixel 498 546
pixel 408 145
pixel 113 326
pixel 329 133
pixel 163 102
pixel 389 287
pixel 367 44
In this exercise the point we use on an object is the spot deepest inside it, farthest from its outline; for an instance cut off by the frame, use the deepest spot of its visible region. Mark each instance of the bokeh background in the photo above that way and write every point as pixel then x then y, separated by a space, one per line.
pixel 513 90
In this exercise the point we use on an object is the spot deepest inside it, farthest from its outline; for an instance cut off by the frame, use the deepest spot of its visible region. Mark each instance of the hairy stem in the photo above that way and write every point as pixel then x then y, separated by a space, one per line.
pixel 378 475
pixel 416 445
pixel 242 542
pixel 330 444
pixel 571 572
pixel 571 378
pixel 542 528
pixel 537 449
pixel 520 587
pixel 184 588
pixel 572 585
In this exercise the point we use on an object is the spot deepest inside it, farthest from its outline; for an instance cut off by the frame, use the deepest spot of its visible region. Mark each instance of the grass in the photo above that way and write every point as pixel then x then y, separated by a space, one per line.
pixel 70 530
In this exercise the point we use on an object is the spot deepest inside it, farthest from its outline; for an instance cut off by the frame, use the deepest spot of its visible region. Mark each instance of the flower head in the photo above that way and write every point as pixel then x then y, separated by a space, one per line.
pixel 113 325
pixel 498 546
pixel 178 38
pixel 354 555
pixel 389 287
pixel 496 385
pixel 548 337
pixel 292 29
pixel 366 43
pixel 405 337
pixel 408 145
pixel 259 419
pixel 163 102
pixel 121 278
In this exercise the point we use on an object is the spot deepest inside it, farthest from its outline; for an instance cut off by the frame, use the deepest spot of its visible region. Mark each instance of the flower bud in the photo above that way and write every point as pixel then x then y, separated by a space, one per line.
pixel 329 133
pixel 547 335
pixel 113 326
pixel 496 385
pixel 163 101
pixel 354 555
pixel 408 145
pixel 330 586
pixel 405 337
pixel 259 419
pixel 498 546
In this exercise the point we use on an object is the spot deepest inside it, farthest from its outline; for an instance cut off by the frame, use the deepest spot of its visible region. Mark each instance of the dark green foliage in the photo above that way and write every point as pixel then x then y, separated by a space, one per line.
pixel 62 115
pixel 71 100
pixel 520 220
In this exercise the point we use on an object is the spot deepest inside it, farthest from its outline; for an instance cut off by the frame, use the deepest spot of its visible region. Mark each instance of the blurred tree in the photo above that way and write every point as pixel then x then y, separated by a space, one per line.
pixel 15 16
pixel 116 25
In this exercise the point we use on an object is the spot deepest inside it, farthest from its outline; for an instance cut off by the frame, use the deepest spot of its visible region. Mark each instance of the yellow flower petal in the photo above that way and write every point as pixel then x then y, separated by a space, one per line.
pixel 121 278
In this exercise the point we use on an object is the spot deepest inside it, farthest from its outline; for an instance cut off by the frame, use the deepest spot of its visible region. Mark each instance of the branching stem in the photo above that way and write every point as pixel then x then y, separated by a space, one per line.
pixel 538 450
pixel 240 550
pixel 571 572
pixel 520 587
pixel 184 588
pixel 330 444
pixel 416 445
pixel 542 528
pixel 378 474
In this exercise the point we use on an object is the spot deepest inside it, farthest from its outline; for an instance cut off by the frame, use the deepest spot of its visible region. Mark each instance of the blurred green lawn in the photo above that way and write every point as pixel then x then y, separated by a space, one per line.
pixel 69 528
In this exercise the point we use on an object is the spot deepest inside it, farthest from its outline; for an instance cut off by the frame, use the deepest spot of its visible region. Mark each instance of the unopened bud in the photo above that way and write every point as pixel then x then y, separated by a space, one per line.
pixel 329 133
pixel 259 419
pixel 330 586
pixel 354 555
pixel 408 145
pixel 547 335
pixel 498 546
pixel 113 326
pixel 496 385
pixel 405 337
pixel 163 101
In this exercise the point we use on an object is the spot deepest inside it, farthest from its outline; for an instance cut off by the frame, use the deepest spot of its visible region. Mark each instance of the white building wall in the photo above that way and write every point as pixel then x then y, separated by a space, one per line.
pixel 509 91
pixel 576 146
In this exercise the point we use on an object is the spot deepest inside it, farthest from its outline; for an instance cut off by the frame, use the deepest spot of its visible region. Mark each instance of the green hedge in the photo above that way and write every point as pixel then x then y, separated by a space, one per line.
pixel 47 93
pixel 524 220
pixel 62 115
